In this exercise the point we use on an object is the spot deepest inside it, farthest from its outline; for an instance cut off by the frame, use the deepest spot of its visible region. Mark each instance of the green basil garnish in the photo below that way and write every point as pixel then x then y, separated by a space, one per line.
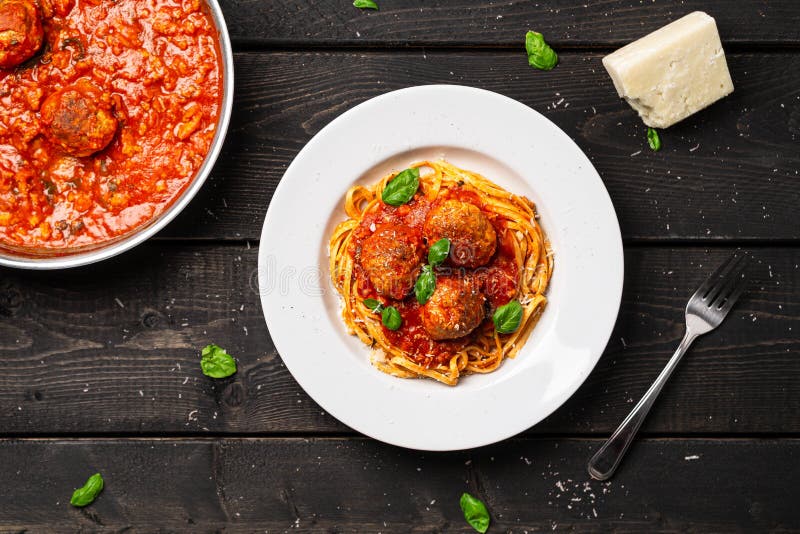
pixel 540 55
pixel 217 363
pixel 88 493
pixel 653 139
pixel 391 318
pixel 475 512
pixel 374 305
pixel 507 318
pixel 365 4
pixel 438 252
pixel 401 188
pixel 426 284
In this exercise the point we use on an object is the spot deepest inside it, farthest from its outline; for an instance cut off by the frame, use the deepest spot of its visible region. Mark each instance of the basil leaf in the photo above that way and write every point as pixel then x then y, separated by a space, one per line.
pixel 475 512
pixel 426 284
pixel 88 493
pixel 653 139
pixel 391 318
pixel 507 318
pixel 540 55
pixel 217 363
pixel 373 305
pixel 365 4
pixel 401 188
pixel 438 252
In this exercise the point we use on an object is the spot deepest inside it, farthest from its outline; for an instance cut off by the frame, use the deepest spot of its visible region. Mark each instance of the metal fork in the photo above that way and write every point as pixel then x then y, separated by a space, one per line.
pixel 705 311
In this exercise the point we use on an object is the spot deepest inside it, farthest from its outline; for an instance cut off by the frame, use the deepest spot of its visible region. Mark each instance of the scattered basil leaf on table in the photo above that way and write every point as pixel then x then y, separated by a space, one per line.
pixel 365 4
pixel 374 305
pixel 426 284
pixel 85 495
pixel 391 318
pixel 653 139
pixel 475 512
pixel 540 55
pixel 507 318
pixel 217 363
pixel 438 252
pixel 401 188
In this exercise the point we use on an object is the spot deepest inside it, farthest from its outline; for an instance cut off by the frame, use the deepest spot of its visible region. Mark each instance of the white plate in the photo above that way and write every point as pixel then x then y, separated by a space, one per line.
pixel 515 147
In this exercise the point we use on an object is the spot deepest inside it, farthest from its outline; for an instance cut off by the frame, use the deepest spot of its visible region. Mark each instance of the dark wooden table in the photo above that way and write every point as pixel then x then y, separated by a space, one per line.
pixel 99 365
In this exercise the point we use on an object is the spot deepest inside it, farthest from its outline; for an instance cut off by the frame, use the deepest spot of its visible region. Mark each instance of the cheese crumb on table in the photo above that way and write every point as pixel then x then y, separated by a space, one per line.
pixel 673 72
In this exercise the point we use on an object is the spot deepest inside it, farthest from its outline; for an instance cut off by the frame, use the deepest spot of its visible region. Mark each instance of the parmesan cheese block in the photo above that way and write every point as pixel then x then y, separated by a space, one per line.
pixel 673 72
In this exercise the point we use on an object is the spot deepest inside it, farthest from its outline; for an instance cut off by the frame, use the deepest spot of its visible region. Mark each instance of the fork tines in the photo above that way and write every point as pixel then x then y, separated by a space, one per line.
pixel 725 285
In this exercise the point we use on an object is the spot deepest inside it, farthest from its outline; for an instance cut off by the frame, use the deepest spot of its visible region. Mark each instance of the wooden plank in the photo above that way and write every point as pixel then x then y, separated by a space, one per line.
pixel 729 172
pixel 487 23
pixel 121 356
pixel 355 485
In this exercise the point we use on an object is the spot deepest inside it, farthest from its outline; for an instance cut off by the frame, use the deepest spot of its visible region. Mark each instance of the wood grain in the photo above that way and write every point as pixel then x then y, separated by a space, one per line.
pixel 489 23
pixel 730 172
pixel 114 348
pixel 108 355
pixel 355 485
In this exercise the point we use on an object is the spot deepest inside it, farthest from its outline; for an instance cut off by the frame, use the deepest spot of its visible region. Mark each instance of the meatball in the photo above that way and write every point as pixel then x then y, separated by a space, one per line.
pixel 79 119
pixel 21 31
pixel 392 258
pixel 499 283
pixel 455 309
pixel 472 237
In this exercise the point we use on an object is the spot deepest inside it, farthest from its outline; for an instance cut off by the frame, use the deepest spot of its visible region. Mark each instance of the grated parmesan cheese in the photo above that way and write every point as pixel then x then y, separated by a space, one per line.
pixel 378 355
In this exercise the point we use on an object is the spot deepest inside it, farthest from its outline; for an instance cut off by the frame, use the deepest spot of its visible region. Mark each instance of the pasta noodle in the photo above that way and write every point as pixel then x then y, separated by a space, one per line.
pixel 524 254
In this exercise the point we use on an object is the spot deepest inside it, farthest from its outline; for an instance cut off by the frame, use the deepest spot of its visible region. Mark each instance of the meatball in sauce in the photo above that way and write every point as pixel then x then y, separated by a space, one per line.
pixel 392 258
pixel 79 119
pixel 21 32
pixel 473 239
pixel 455 309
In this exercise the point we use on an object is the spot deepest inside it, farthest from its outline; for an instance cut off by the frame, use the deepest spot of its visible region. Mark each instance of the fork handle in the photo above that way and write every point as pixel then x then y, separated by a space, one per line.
pixel 605 461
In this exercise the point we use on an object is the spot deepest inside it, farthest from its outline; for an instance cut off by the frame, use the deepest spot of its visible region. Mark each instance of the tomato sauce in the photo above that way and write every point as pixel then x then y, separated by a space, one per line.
pixel 158 64
pixel 498 279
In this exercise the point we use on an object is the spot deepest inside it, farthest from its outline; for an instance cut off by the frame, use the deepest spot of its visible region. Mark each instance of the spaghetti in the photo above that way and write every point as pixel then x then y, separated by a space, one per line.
pixel 519 269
